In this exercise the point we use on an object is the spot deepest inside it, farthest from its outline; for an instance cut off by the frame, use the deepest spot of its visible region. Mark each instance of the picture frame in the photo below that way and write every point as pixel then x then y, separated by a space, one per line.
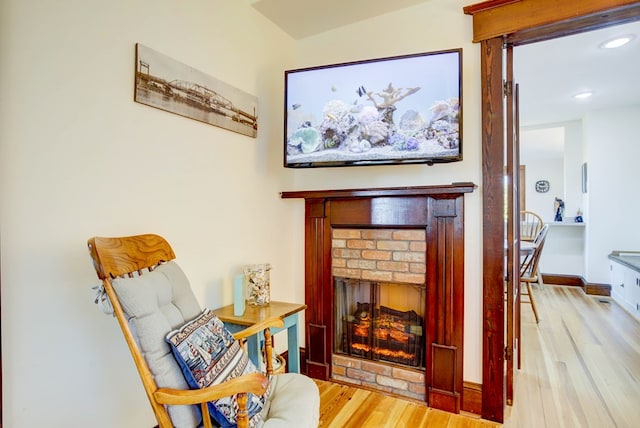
pixel 394 110
pixel 172 86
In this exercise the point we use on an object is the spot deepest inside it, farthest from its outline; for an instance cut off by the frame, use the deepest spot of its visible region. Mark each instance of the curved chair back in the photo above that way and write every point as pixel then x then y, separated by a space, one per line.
pixel 530 225
pixel 128 257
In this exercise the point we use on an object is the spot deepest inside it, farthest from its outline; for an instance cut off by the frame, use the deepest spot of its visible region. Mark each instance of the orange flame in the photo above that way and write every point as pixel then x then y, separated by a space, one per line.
pixel 383 351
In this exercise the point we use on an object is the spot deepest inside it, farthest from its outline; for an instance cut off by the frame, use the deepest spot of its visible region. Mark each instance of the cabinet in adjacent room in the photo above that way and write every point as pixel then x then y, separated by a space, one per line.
pixel 625 280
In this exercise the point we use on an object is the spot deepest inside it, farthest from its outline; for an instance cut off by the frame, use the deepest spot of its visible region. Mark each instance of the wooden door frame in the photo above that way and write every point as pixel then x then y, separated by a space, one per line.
pixel 497 23
pixel 513 234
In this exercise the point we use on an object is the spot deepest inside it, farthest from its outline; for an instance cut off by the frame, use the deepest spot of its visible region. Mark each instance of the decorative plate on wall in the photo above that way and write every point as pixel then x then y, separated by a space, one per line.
pixel 542 186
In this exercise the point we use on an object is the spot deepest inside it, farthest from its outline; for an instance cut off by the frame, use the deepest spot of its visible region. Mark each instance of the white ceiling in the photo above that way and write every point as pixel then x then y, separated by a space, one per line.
pixel 541 144
pixel 304 18
pixel 549 73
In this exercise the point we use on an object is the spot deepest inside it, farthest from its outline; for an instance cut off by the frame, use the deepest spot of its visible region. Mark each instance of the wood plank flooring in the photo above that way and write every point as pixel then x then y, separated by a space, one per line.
pixel 580 365
pixel 343 406
pixel 580 368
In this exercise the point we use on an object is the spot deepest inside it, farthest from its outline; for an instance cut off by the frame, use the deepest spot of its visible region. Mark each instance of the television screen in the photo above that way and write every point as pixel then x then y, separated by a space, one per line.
pixel 402 109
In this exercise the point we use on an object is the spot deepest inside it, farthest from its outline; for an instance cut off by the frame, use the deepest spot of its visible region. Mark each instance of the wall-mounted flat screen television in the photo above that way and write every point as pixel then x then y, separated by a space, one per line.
pixel 396 110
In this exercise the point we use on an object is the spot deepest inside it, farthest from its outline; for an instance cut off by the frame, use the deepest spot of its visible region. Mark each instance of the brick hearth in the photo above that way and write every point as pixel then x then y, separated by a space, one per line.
pixel 379 376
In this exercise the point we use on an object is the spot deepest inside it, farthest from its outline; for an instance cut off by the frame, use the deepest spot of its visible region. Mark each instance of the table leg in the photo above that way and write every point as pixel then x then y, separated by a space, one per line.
pixel 293 348
pixel 254 351
pixel 253 344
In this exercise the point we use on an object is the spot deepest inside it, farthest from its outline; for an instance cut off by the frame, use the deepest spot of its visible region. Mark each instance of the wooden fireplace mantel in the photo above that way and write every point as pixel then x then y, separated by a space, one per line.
pixel 465 187
pixel 439 210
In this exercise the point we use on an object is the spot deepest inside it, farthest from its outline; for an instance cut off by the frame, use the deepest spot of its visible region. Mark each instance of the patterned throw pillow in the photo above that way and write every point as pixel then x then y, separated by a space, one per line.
pixel 209 355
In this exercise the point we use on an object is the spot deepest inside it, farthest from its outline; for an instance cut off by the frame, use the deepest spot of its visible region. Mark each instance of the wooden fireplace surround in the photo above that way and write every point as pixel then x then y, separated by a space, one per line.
pixel 439 210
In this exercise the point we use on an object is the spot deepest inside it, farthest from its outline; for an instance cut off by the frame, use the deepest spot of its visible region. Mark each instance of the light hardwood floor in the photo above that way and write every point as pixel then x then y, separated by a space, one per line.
pixel 580 365
pixel 343 406
pixel 580 368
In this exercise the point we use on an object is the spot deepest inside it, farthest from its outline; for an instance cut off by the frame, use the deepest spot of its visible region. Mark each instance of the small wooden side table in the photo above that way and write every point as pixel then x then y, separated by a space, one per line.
pixel 288 312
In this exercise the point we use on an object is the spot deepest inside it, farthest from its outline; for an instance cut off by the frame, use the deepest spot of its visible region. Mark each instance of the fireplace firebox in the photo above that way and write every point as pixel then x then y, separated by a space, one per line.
pixel 380 321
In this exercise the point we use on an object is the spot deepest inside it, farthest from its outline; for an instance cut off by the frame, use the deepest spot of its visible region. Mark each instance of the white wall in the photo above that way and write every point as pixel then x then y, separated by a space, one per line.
pixel 79 158
pixel 611 138
pixel 606 140
pixel 542 155
pixel 573 159
pixel 553 152
pixel 551 170
pixel 564 250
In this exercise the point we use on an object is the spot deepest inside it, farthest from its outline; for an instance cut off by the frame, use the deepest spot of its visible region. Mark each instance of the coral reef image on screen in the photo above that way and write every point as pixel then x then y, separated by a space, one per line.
pixel 395 110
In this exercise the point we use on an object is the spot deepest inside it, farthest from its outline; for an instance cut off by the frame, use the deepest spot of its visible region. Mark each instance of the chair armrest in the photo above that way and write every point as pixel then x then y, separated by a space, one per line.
pixel 255 383
pixel 257 327
pixel 263 326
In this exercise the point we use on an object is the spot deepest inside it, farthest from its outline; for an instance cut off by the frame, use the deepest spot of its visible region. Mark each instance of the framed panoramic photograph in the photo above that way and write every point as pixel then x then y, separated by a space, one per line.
pixel 396 110
pixel 172 86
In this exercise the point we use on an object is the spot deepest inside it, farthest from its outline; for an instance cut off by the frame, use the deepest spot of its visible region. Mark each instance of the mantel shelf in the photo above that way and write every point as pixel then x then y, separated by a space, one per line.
pixel 465 187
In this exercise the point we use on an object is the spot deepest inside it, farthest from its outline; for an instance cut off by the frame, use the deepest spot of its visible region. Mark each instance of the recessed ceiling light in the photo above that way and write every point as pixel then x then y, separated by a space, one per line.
pixel 617 42
pixel 583 95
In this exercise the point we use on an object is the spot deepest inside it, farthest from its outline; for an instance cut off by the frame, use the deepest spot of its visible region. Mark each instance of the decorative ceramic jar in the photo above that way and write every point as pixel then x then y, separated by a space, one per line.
pixel 258 283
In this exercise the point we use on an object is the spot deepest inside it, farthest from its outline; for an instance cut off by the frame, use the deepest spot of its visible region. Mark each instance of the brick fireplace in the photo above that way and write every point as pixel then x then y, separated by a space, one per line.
pixel 388 236
pixel 379 254
pixel 379 300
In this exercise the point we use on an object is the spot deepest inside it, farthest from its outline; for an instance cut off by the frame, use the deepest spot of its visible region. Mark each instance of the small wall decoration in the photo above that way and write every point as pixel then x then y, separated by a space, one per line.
pixel 558 207
pixel 542 186
pixel 584 177
pixel 169 85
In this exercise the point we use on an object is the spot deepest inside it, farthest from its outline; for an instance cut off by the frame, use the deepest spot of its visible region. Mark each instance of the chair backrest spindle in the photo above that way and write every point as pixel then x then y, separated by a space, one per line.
pixel 530 225
pixel 529 266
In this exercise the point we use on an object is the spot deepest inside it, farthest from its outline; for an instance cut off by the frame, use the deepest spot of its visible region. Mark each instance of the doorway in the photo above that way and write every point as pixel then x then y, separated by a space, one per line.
pixel 497 24
pixel 557 139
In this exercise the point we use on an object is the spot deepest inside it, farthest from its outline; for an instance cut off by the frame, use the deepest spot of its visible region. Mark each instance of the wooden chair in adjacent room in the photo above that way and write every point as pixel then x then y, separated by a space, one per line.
pixel 152 299
pixel 530 225
pixel 529 267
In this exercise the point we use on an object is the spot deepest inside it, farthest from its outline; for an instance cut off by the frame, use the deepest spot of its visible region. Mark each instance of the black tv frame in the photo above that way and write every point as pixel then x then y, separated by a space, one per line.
pixel 403 109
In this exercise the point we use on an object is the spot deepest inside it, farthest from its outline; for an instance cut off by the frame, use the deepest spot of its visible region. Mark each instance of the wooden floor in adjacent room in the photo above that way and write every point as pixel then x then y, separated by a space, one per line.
pixel 580 365
pixel 580 369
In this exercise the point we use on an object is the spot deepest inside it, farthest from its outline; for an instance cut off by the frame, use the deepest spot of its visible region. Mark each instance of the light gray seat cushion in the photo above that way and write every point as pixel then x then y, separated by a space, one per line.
pixel 294 402
pixel 156 303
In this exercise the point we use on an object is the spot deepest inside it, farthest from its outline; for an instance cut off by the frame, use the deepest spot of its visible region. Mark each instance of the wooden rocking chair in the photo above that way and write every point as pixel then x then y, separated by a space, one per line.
pixel 118 259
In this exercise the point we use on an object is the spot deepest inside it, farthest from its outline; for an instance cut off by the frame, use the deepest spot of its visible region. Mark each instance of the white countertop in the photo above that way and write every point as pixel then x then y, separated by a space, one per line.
pixel 565 223
pixel 628 258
